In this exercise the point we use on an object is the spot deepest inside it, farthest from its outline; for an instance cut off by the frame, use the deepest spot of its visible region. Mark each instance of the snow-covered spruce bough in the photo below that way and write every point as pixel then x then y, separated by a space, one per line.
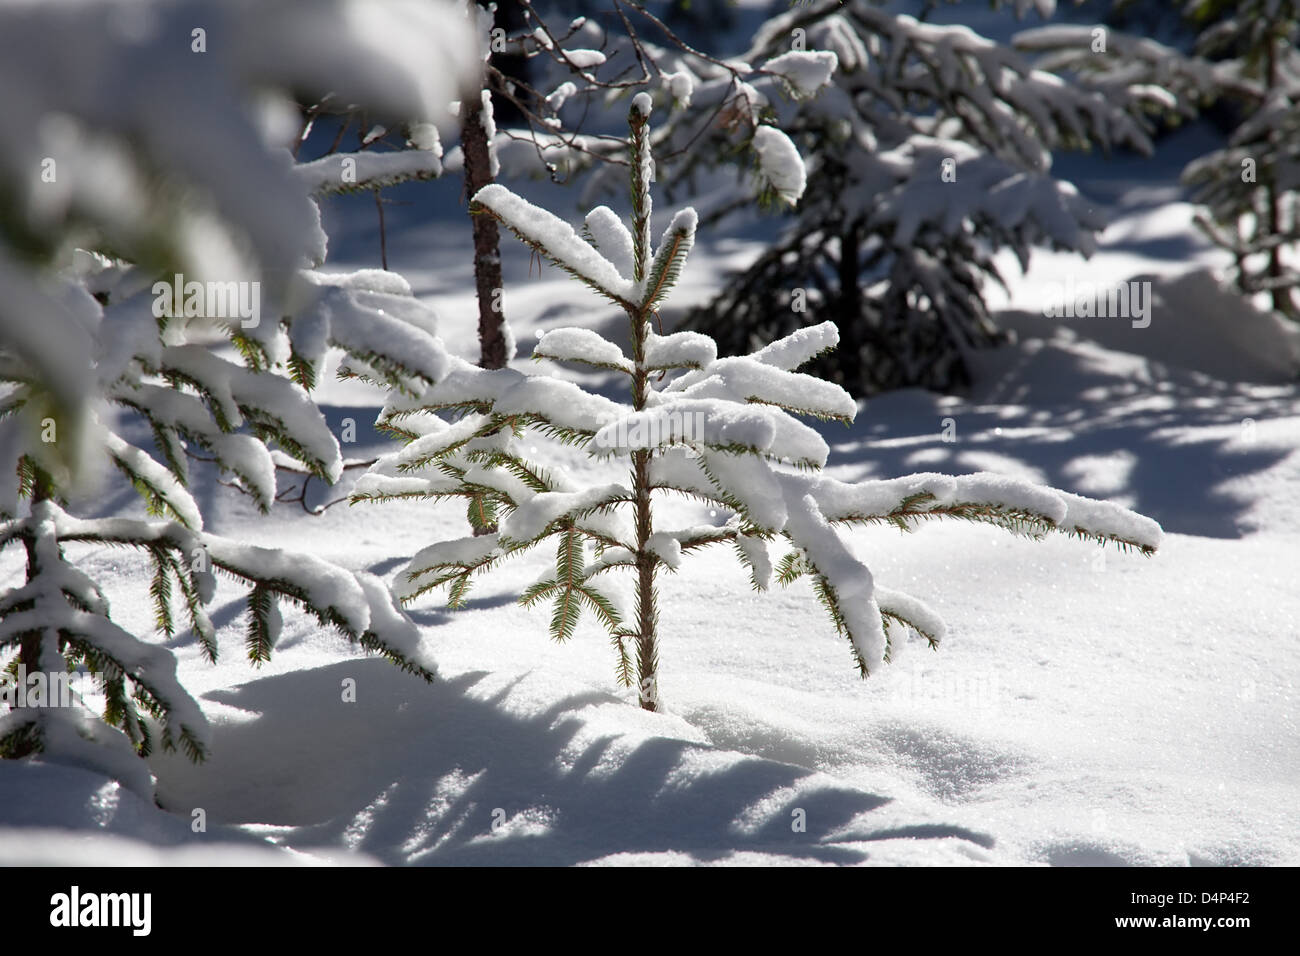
pixel 197 402
pixel 751 457
pixel 91 375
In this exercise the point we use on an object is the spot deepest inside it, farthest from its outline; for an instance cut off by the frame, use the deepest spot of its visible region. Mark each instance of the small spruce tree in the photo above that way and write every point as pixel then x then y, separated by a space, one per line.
pixel 718 430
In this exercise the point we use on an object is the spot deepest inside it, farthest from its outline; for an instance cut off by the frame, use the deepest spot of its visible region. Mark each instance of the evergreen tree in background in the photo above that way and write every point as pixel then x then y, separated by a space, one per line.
pixel 1251 189
pixel 1245 61
pixel 930 151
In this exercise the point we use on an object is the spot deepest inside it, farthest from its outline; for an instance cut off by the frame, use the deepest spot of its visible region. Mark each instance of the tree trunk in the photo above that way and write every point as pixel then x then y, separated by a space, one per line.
pixel 1281 298
pixel 487 238
pixel 647 612
pixel 487 249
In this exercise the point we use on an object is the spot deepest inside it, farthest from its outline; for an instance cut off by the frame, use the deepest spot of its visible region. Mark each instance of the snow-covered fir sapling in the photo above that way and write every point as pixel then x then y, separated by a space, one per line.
pixel 720 430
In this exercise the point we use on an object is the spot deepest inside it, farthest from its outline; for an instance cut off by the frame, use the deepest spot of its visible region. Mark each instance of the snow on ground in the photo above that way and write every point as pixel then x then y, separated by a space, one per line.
pixel 1088 707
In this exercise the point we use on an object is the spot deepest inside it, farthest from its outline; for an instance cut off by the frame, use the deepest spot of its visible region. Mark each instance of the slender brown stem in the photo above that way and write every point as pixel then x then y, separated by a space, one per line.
pixel 647 612
pixel 647 650
pixel 488 281
pixel 487 237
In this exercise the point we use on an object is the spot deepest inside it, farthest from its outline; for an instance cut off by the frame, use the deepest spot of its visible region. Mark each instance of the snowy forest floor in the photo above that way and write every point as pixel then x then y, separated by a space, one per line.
pixel 1087 707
